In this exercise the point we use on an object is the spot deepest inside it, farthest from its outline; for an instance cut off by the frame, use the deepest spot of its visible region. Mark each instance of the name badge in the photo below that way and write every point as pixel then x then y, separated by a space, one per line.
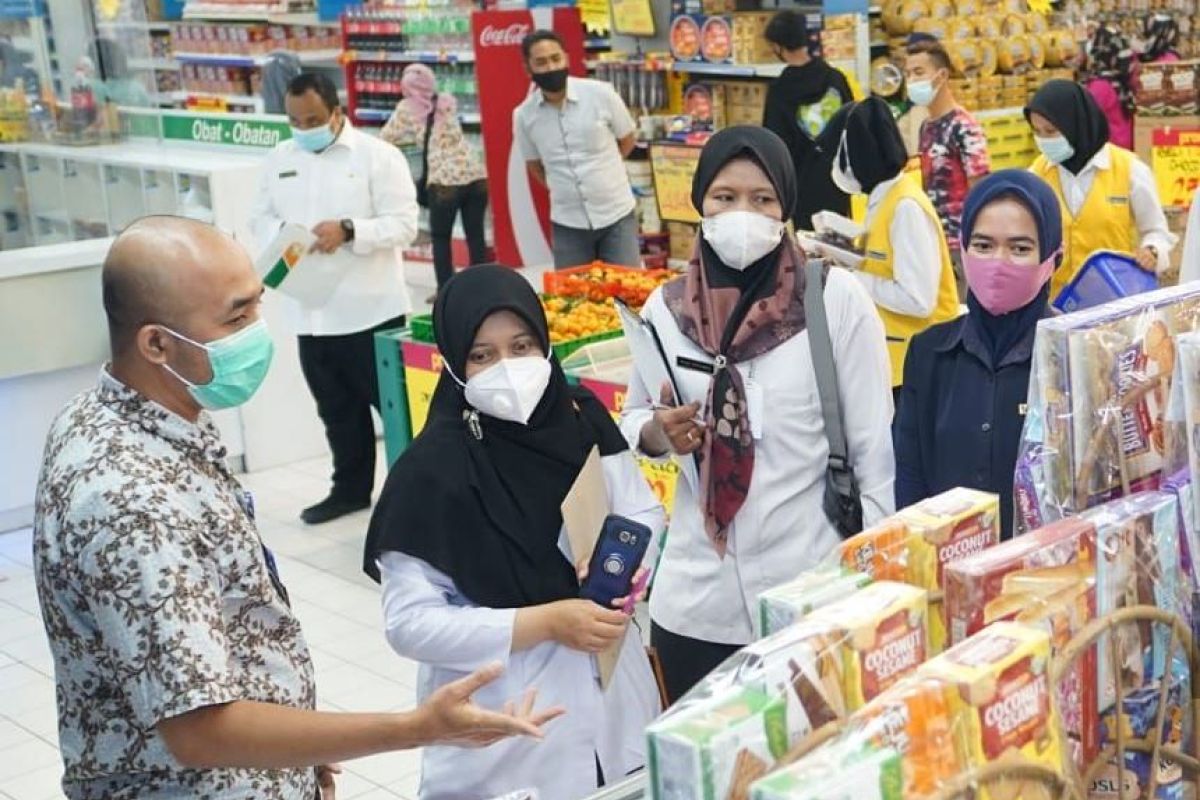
pixel 291 173
pixel 695 365
pixel 1023 409
pixel 876 255
pixel 1118 200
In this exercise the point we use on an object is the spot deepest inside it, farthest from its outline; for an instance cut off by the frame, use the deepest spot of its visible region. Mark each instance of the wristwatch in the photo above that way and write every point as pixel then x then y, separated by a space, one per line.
pixel 348 230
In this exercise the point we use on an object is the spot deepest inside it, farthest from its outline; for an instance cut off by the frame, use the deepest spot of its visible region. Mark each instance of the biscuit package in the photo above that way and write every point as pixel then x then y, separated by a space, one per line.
pixel 913 718
pixel 1137 563
pixel 1095 425
pixel 915 545
pixel 800 673
pixel 784 605
pixel 1001 701
pixel 996 583
pixel 843 770
pixel 716 747
pixel 882 632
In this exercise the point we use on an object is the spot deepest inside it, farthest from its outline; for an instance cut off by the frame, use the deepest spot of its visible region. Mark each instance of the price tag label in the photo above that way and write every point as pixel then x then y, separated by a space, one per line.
pixel 633 17
pixel 1175 159
pixel 674 166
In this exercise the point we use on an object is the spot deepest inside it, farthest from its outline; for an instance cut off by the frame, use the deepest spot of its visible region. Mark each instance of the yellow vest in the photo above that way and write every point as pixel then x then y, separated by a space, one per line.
pixel 1105 221
pixel 900 328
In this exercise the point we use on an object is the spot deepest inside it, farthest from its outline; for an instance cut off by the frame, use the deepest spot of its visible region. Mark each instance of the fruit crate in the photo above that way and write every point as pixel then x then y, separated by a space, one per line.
pixel 420 328
pixel 598 281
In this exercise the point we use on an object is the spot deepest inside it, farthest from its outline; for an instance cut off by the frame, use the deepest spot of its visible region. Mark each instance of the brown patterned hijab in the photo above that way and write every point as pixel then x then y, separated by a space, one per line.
pixel 735 316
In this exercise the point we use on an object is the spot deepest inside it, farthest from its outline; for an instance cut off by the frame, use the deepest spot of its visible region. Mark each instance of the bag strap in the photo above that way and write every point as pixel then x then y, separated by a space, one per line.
pixel 821 345
pixel 425 146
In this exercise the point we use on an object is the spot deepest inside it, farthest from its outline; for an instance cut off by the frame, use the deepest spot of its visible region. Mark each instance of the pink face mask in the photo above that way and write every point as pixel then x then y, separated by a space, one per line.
pixel 1001 286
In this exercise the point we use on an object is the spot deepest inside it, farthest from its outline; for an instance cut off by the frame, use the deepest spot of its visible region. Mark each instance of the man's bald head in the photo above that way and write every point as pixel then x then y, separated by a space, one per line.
pixel 154 270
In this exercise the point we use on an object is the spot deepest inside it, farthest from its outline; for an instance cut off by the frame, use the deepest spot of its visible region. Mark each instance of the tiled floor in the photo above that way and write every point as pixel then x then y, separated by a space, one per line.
pixel 337 605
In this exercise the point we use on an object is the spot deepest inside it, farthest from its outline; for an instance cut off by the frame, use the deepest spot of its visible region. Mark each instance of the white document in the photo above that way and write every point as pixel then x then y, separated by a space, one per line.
pixel 287 266
pixel 651 365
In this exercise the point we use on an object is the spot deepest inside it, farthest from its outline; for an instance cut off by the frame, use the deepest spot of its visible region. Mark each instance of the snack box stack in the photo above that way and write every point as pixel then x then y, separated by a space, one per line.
pixel 786 605
pixel 917 544
pixel 736 725
pixel 987 699
pixel 1098 394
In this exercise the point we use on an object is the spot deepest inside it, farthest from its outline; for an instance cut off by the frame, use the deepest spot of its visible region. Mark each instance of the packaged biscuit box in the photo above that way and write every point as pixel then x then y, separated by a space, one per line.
pixel 880 551
pixel 1062 616
pixel 1101 380
pixel 842 770
pixel 784 605
pixel 944 529
pixel 883 632
pixel 1002 702
pixel 1137 563
pixel 994 585
pixel 914 719
pixel 716 748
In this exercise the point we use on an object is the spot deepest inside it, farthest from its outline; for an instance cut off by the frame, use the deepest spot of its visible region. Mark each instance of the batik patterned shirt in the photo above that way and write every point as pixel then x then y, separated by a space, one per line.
pixel 158 597
pixel 953 153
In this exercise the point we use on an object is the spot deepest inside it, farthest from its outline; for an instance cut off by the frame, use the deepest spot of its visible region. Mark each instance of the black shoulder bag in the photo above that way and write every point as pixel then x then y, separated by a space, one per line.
pixel 843 501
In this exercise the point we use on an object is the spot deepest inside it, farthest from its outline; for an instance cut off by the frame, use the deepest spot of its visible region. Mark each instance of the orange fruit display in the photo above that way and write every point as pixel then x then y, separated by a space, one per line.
pixel 572 318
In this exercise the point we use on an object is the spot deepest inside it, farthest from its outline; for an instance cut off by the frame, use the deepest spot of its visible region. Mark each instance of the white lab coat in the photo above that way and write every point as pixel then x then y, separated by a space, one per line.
pixel 780 530
pixel 429 620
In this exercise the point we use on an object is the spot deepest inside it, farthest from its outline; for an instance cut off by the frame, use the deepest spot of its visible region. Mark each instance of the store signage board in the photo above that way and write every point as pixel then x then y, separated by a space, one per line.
pixel 231 130
pixel 595 16
pixel 1175 159
pixel 673 166
pixel 633 17
pixel 422 369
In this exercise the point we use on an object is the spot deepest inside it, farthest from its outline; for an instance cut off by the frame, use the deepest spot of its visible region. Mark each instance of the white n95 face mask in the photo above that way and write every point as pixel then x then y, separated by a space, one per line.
pixel 740 238
pixel 843 176
pixel 510 389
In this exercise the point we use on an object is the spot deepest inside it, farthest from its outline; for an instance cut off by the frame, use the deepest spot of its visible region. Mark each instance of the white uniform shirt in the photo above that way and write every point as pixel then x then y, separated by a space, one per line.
pixel 916 258
pixel 577 145
pixel 428 619
pixel 1143 201
pixel 781 530
pixel 1189 265
pixel 360 178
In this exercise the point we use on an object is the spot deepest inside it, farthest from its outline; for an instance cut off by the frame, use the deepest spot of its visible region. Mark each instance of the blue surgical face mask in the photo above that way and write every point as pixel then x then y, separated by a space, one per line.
pixel 1056 149
pixel 314 140
pixel 238 362
pixel 921 93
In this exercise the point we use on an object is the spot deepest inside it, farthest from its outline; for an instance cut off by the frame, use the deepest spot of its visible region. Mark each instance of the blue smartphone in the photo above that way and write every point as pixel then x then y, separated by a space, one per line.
pixel 618 554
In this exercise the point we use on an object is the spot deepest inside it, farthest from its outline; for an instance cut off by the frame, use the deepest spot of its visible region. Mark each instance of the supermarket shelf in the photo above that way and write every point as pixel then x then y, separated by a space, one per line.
pixel 234 60
pixel 154 63
pixel 134 24
pixel 218 13
pixel 450 57
pixel 381 115
pixel 232 99
pixel 729 70
pixel 990 113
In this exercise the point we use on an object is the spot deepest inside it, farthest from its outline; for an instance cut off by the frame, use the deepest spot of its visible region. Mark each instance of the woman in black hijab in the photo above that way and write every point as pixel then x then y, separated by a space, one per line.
pixel 1108 197
pixel 749 432
pixel 799 104
pixel 906 266
pixel 468 542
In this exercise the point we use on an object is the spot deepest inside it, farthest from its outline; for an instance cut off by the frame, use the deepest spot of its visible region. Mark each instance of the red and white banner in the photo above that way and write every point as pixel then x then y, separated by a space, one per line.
pixel 520 206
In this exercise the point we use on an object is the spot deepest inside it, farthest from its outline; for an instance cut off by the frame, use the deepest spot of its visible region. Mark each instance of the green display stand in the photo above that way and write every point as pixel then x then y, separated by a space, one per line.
pixel 393 396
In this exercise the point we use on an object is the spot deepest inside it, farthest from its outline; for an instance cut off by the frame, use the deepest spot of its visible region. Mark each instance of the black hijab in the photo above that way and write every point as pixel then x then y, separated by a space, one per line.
pixel 770 153
pixel 1003 331
pixel 1072 109
pixel 481 504
pixel 874 146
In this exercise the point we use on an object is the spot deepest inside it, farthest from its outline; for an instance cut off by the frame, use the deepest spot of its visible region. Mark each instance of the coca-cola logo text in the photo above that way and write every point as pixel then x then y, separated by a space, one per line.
pixel 510 36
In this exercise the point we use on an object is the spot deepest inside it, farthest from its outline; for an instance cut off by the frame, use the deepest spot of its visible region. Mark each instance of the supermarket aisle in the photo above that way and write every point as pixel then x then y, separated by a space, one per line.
pixel 337 605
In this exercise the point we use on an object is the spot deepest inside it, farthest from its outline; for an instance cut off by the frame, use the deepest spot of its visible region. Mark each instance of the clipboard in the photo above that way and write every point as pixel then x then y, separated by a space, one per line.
pixel 287 266
pixel 652 365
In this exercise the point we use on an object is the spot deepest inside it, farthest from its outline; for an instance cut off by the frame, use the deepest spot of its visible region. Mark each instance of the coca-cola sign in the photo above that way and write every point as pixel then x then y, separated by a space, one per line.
pixel 509 36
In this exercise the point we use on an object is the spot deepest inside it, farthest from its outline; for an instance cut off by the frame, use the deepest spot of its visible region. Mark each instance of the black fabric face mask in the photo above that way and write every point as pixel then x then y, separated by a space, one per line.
pixel 553 81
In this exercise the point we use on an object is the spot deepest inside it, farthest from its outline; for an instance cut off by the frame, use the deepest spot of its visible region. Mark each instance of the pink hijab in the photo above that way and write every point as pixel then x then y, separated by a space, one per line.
pixel 418 83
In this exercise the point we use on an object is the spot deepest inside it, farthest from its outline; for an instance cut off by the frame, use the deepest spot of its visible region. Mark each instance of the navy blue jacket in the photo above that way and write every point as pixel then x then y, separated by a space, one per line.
pixel 960 416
